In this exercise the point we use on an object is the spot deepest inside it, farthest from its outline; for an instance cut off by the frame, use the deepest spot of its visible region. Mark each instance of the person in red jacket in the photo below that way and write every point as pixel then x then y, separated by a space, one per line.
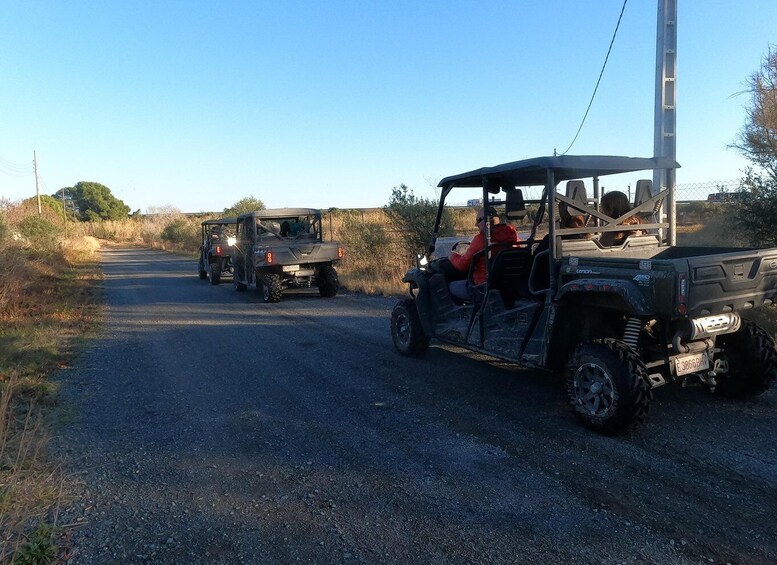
pixel 500 233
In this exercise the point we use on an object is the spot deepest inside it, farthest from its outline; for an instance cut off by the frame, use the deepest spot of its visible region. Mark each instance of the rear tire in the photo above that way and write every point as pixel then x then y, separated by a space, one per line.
pixel 270 288
pixel 752 362
pixel 214 273
pixel 406 329
pixel 327 281
pixel 608 387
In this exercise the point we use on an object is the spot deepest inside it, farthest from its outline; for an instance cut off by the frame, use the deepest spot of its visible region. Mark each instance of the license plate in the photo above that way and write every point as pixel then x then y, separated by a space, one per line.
pixel 687 364
pixel 290 268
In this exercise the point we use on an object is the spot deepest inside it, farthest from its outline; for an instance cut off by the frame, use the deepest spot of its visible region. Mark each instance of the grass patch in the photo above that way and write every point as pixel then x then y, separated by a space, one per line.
pixel 48 304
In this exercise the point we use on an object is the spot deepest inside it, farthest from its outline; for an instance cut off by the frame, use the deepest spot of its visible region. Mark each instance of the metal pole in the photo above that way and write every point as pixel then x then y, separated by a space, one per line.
pixel 664 139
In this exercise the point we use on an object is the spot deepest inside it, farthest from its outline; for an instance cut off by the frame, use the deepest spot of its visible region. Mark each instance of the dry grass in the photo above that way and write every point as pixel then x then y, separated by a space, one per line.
pixel 30 492
pixel 47 303
pixel 719 233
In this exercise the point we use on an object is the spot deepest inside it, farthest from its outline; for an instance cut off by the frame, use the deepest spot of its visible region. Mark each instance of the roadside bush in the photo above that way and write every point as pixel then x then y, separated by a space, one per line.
pixel 413 217
pixel 3 228
pixel 41 233
pixel 755 214
pixel 368 244
pixel 181 234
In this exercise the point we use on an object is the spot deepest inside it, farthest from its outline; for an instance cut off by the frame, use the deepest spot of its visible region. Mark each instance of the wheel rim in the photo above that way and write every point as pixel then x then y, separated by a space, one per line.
pixel 403 329
pixel 594 390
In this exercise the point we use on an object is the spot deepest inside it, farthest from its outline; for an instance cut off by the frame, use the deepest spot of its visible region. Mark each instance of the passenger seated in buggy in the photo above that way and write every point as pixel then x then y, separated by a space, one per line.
pixel 461 289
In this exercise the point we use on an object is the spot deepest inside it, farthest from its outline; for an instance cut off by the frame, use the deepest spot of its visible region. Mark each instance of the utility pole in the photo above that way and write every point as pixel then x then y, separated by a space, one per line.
pixel 64 206
pixel 37 189
pixel 664 138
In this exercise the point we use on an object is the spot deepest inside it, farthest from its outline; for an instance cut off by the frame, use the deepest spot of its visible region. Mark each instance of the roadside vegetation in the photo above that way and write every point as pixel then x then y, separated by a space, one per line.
pixel 47 304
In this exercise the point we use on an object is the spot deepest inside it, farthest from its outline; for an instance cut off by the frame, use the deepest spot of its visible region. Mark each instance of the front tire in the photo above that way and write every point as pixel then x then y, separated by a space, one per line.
pixel 752 362
pixel 201 268
pixel 406 329
pixel 608 387
pixel 270 288
pixel 327 281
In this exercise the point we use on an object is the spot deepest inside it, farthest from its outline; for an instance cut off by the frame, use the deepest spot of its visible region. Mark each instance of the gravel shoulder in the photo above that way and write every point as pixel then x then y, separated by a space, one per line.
pixel 209 427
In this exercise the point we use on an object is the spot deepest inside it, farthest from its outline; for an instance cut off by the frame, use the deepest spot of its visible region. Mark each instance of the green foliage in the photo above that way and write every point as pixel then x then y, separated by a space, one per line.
pixel 52 203
pixel 367 242
pixel 39 231
pixel 757 140
pixel 40 548
pixel 244 205
pixel 414 217
pixel 182 234
pixel 94 201
pixel 755 214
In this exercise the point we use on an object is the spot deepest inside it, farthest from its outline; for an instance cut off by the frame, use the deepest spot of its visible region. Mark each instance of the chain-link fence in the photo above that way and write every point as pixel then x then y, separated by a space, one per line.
pixel 711 191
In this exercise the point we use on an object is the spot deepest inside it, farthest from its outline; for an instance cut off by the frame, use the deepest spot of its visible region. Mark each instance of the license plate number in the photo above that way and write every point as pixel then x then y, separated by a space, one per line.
pixel 691 363
pixel 290 268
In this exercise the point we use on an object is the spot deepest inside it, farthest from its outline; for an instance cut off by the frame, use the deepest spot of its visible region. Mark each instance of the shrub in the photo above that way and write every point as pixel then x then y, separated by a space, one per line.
pixel 756 212
pixel 181 234
pixel 40 232
pixel 413 217
pixel 368 244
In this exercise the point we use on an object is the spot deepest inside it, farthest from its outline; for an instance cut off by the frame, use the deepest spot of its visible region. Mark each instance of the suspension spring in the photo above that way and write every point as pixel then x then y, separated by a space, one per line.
pixel 631 332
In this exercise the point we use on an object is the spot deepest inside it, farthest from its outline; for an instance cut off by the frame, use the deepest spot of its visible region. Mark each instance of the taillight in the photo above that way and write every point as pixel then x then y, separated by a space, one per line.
pixel 682 293
pixel 268 256
pixel 218 250
pixel 340 252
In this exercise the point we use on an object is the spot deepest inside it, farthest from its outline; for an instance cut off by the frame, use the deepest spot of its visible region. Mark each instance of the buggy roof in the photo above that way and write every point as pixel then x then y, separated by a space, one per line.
pixel 220 222
pixel 283 213
pixel 532 172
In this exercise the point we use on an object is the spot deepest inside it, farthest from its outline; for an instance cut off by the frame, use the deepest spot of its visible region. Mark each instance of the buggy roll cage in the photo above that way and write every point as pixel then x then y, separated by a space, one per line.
pixel 549 172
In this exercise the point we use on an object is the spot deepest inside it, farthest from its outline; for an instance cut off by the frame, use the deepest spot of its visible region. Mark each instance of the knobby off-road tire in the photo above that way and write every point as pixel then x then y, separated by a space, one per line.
pixel 214 273
pixel 406 330
pixel 752 362
pixel 327 281
pixel 607 386
pixel 270 288
pixel 201 268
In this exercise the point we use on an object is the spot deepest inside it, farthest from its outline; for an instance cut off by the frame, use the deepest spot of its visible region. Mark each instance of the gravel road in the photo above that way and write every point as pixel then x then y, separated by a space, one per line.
pixel 205 426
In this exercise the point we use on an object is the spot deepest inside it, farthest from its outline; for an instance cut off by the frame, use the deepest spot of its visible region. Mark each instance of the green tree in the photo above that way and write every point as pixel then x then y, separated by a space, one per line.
pixel 244 205
pixel 94 201
pixel 413 217
pixel 51 207
pixel 758 138
pixel 758 143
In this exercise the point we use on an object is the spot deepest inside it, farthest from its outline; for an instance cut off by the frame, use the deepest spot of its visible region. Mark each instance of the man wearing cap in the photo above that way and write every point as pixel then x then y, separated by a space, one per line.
pixel 500 233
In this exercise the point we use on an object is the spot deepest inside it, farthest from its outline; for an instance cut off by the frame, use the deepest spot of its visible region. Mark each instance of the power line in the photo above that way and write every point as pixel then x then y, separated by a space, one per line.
pixel 623 8
pixel 14 166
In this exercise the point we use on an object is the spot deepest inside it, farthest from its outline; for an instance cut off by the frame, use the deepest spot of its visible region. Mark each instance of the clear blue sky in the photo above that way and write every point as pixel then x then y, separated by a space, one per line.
pixel 332 103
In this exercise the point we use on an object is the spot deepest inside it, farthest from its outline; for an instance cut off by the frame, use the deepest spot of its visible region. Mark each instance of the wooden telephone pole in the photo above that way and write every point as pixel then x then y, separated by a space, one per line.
pixel 37 188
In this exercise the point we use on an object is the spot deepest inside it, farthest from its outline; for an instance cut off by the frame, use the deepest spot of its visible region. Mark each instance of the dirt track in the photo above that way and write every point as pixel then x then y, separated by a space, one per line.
pixel 212 428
